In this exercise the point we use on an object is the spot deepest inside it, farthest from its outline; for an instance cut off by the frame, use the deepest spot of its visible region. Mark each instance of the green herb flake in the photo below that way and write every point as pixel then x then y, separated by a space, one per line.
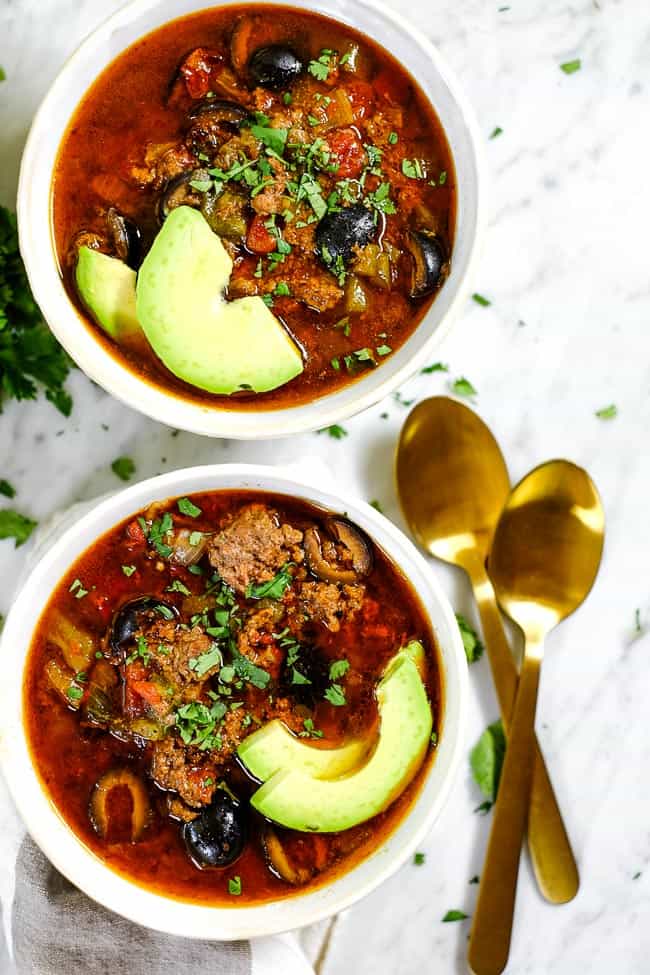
pixel 211 658
pixel 320 68
pixel 234 886
pixel 475 879
pixel 454 916
pixel 442 178
pixel 570 67
pixel 383 350
pixel 486 760
pixel 282 289
pixel 16 526
pixel 74 693
pixel 338 669
pixel 195 538
pixel 7 489
pixel 392 138
pixel 3 74
pixel 473 646
pixel 78 589
pixel 273 139
pixel 463 387
pixel 607 412
pixel 178 586
pixel 310 731
pixel 187 507
pixel 335 431
pixel 335 695
pixel 496 132
pixel 274 588
pixel 419 859
pixel 413 168
pixel 434 367
pixel 481 300
pixel 377 506
pixel 286 98
pixel 128 570
pixel 124 468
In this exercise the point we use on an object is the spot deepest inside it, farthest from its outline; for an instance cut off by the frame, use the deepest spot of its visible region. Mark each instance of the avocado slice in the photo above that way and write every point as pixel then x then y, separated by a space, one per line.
pixel 274 747
pixel 302 802
pixel 107 288
pixel 218 345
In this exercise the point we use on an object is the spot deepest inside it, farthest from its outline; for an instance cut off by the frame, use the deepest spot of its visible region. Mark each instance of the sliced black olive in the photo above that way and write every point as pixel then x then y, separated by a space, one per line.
pixel 210 119
pixel 281 863
pixel 179 191
pixel 429 262
pixel 218 834
pixel 132 616
pixel 274 66
pixel 348 535
pixel 126 237
pixel 339 232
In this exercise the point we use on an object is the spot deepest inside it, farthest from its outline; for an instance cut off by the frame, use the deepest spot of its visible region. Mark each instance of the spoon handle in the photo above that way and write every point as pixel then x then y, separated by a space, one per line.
pixel 553 862
pixel 489 944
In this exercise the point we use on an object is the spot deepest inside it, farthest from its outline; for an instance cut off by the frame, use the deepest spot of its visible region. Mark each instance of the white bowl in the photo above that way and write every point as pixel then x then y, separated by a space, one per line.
pixel 82 867
pixel 413 50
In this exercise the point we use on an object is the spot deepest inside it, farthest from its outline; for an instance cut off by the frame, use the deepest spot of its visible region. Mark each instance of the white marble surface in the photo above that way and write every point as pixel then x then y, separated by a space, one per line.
pixel 566 267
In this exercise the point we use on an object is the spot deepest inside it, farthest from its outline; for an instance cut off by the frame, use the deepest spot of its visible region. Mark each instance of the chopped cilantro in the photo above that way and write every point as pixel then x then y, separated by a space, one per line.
pixel 335 695
pixel 434 738
pixel 383 350
pixel 195 538
pixel 78 589
pixel 473 646
pixel 16 526
pixel 248 671
pixel 124 468
pixel 570 67
pixel 335 363
pixel 282 289
pixel 3 74
pixel 434 367
pixel 442 179
pixel 274 139
pixel 413 168
pixel 486 760
pixel 286 98
pixel 607 412
pixel 463 387
pixel 310 731
pixel 7 489
pixel 392 138
pixel 338 668
pixel 128 570
pixel 141 651
pixel 164 611
pixel 376 505
pixel 320 68
pixel 481 300
pixel 268 300
pixel 198 724
pixel 211 658
pixel 234 886
pixel 186 507
pixel 297 677
pixel 178 586
pixel 157 532
pixel 335 431
pixel 274 588
pixel 74 693
pixel 454 916
pixel 496 131
pixel 419 858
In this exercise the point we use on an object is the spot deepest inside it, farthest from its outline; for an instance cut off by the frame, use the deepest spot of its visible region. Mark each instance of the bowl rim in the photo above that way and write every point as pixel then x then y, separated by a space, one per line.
pixel 84 868
pixel 155 401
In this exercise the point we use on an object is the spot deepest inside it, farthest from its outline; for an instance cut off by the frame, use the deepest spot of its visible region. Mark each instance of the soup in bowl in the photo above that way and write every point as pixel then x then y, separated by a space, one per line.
pixel 256 209
pixel 245 696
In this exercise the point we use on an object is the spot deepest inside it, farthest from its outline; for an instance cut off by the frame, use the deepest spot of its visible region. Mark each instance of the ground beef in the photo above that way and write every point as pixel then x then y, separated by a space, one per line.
pixel 172 648
pixel 270 200
pixel 256 641
pixel 253 547
pixel 330 603
pixel 176 767
pixel 309 282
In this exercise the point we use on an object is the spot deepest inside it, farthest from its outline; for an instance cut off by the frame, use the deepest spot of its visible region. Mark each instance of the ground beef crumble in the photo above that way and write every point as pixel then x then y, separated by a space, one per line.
pixel 253 547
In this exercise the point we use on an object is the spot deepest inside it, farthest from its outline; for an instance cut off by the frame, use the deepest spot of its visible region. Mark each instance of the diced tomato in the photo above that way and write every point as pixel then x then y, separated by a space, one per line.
pixel 134 532
pixel 197 70
pixel 393 88
pixel 361 97
pixel 147 691
pixel 347 153
pixel 258 238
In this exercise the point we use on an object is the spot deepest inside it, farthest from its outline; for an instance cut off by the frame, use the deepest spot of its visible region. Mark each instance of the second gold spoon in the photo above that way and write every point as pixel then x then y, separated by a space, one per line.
pixel 452 484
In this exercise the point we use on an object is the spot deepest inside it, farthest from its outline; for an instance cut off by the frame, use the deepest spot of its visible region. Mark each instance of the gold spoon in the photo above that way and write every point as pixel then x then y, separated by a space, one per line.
pixel 544 559
pixel 452 483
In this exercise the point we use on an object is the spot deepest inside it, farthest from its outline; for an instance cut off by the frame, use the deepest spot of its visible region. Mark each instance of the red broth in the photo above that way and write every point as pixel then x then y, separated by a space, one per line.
pixel 73 746
pixel 371 136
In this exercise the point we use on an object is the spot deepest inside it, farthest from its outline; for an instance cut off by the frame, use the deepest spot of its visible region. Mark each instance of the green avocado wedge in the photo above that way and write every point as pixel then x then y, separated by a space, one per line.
pixel 274 747
pixel 302 802
pixel 217 345
pixel 107 288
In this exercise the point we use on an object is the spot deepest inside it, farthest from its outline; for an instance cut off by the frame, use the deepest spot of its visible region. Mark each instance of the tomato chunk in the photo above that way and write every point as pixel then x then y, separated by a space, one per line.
pixel 347 153
pixel 258 239
pixel 197 69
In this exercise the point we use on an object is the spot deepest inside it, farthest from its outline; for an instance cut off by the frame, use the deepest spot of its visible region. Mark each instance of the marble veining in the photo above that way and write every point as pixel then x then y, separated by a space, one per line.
pixel 565 266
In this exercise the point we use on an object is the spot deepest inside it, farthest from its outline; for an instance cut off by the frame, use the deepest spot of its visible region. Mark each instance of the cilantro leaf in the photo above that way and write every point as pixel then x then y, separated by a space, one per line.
pixel 29 353
pixel 570 67
pixel 454 916
pixel 338 668
pixel 124 468
pixel 481 300
pixel 274 588
pixel 335 695
pixel 607 412
pixel 211 658
pixel 473 646
pixel 486 760
pixel 273 139
pixel 463 387
pixel 335 431
pixel 7 489
pixel 16 526
pixel 234 886
pixel 186 507
pixel 246 670
pixel 434 367
pixel 419 859
pixel 496 132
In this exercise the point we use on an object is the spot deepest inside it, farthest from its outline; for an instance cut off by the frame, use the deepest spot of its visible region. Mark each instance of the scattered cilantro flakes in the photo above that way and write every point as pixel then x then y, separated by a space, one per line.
pixel 74 693
pixel 486 761
pixel 434 367
pixel 234 886
pixel 570 67
pixel 473 646
pixel 156 533
pixel 607 412
pixel 413 168
pixel 383 350
pixel 481 300
pixel 16 526
pixel 636 875
pixel 274 588
pixel 338 668
pixel 310 731
pixel 78 589
pixel 282 289
pixel 496 132
pixel 195 539
pixel 3 74
pixel 187 507
pixel 128 570
pixel 419 858
pixel 29 353
pixel 638 625
pixel 178 586
pixel 199 724
pixel 320 68
pixel 454 916
pixel 211 658
pixel 7 489
pixel 335 431
pixel 286 98
pixel 274 139
pixel 463 387
pixel 335 695
pixel 392 138
pixel 124 468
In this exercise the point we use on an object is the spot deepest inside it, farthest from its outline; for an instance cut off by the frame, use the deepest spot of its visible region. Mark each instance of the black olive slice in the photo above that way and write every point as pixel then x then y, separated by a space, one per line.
pixel 217 836
pixel 339 232
pixel 274 67
pixel 429 262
